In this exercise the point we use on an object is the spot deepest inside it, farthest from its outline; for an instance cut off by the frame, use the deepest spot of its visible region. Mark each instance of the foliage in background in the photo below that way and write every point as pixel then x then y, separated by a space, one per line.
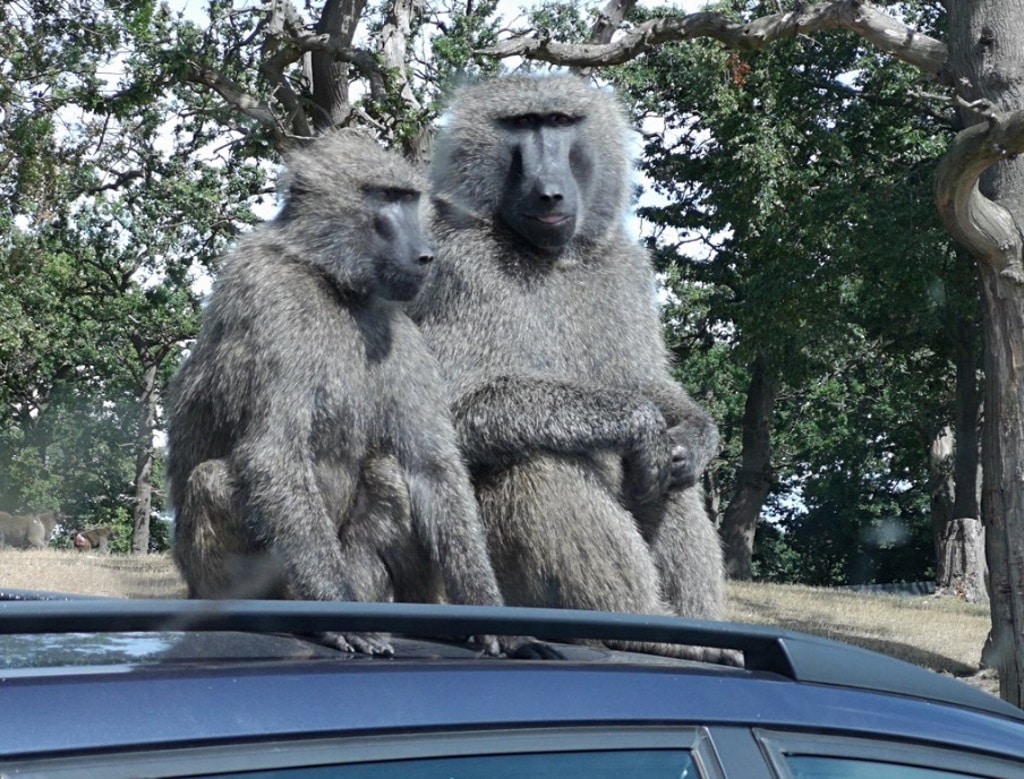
pixel 118 193
pixel 795 226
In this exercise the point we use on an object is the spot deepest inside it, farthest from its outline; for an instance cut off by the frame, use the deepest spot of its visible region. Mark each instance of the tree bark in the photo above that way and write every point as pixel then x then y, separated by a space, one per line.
pixel 987 56
pixel 339 20
pixel 755 477
pixel 968 410
pixel 953 462
pixel 143 507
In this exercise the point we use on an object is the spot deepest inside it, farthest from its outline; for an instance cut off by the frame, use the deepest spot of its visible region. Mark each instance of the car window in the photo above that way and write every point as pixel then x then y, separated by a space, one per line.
pixel 825 756
pixel 805 767
pixel 631 764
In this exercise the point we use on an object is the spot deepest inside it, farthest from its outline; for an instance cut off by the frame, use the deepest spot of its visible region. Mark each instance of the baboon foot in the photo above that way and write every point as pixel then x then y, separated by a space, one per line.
pixel 358 643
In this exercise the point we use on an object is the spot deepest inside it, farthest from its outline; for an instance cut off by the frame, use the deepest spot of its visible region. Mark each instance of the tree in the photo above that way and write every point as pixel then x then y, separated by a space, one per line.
pixel 768 234
pixel 110 216
pixel 982 66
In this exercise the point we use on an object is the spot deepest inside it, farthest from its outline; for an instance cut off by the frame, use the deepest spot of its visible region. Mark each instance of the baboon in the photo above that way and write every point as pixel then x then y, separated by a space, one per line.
pixel 585 454
pixel 97 538
pixel 26 531
pixel 310 451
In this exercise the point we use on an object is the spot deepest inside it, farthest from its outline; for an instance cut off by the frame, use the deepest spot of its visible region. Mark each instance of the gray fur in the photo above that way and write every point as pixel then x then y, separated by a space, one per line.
pixel 97 538
pixel 311 454
pixel 26 531
pixel 585 454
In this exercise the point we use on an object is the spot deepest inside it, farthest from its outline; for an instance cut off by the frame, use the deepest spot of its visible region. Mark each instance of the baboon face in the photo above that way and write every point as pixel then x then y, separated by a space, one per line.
pixel 548 167
pixel 400 252
pixel 544 158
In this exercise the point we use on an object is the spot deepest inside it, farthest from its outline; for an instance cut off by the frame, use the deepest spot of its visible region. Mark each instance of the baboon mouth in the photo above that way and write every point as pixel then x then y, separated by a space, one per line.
pixel 553 220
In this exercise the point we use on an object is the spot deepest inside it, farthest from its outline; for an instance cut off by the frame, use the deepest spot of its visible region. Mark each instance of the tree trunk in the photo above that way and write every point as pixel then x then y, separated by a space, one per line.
pixel 941 488
pixel 987 52
pixel 143 508
pixel 968 410
pixel 962 560
pixel 330 77
pixel 953 459
pixel 755 477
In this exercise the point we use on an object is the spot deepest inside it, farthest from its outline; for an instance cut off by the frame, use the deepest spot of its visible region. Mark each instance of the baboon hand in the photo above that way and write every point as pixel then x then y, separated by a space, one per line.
pixel 647 467
pixel 518 647
pixel 684 468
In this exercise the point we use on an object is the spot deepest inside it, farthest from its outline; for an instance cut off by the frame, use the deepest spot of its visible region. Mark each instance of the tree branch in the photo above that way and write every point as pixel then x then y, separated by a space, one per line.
pixel 283 25
pixel 875 26
pixel 986 229
pixel 235 96
pixel 394 43
pixel 610 20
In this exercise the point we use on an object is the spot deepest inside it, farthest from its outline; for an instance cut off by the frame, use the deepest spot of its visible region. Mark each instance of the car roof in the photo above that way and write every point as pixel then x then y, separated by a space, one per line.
pixel 787 654
pixel 88 676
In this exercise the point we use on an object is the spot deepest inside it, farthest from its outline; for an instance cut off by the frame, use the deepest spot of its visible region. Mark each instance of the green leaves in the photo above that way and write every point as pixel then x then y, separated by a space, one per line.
pixel 805 170
pixel 116 201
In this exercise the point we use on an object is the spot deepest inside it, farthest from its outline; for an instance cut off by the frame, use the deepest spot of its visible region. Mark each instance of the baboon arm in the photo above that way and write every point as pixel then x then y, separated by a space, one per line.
pixel 283 503
pixel 508 418
pixel 446 514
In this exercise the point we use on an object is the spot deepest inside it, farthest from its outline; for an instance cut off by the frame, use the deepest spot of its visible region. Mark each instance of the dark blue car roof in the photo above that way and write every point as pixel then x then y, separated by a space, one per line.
pixel 194 676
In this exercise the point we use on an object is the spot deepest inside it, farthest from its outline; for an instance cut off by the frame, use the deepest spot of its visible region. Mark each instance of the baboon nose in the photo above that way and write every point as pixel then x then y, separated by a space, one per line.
pixel 426 258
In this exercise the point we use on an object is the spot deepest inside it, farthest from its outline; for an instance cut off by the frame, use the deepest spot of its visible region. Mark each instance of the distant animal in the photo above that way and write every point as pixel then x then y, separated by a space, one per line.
pixel 26 531
pixel 585 453
pixel 311 454
pixel 97 538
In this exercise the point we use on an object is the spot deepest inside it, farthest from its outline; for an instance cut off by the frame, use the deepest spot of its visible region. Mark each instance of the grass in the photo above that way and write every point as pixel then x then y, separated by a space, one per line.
pixel 939 633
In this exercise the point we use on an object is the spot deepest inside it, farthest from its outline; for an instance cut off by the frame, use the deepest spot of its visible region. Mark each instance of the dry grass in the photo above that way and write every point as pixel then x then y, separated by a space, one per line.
pixel 935 632
pixel 149 576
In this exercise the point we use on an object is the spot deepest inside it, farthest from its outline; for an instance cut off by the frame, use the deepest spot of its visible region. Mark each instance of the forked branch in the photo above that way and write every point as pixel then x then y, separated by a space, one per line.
pixel 871 23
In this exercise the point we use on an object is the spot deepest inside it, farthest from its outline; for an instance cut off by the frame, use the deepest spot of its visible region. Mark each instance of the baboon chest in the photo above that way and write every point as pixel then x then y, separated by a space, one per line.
pixel 563 323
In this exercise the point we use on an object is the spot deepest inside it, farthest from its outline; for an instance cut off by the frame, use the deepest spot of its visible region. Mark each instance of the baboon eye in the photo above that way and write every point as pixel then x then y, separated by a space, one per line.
pixel 522 121
pixel 561 120
pixel 384 195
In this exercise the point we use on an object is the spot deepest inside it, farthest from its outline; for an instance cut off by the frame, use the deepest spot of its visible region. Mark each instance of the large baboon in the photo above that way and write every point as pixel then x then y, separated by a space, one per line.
pixel 26 531
pixel 311 453
pixel 585 454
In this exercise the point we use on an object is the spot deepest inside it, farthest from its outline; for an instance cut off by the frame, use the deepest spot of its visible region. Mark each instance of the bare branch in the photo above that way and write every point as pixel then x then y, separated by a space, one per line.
pixel 875 26
pixel 283 25
pixel 610 19
pixel 608 22
pixel 986 229
pixel 235 96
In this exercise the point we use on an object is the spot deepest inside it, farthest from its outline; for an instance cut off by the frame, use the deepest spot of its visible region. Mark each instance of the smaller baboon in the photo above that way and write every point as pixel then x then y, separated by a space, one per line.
pixel 310 451
pixel 97 538
pixel 26 531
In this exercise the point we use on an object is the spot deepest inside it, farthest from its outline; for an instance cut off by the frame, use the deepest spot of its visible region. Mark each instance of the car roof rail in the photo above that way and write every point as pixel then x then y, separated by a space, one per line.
pixel 797 656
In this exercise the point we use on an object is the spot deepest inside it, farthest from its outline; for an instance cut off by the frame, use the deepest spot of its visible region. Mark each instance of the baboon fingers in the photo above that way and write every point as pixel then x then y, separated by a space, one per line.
pixel 684 472
pixel 358 643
